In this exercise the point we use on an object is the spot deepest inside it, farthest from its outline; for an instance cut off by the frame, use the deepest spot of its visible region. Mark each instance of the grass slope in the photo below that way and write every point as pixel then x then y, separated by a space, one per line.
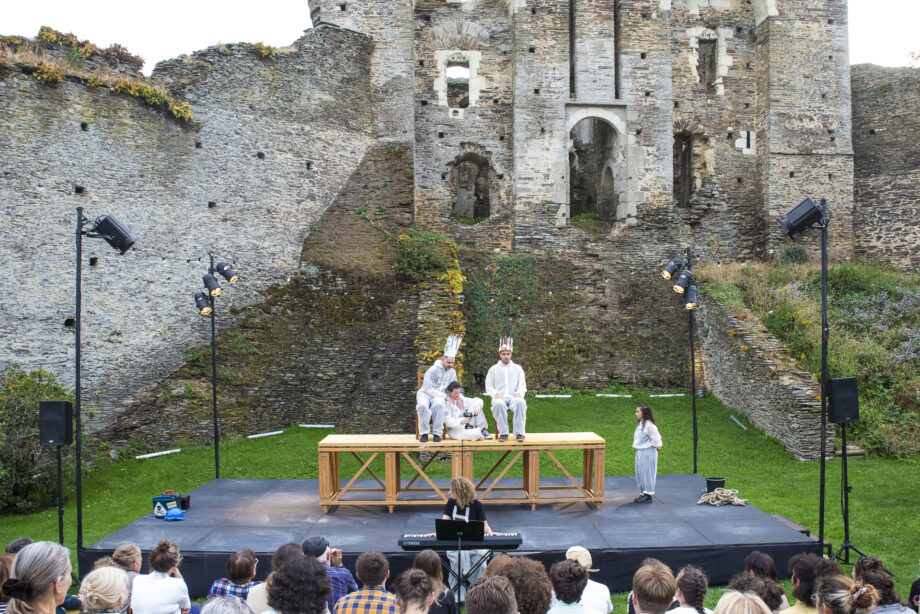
pixel 884 503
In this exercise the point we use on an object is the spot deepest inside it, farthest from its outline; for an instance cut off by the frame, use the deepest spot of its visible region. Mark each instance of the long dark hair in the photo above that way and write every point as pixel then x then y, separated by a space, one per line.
pixel 647 413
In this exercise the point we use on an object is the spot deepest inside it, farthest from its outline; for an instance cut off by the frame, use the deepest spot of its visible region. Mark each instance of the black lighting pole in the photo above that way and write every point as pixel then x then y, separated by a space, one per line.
pixel 118 237
pixel 214 376
pixel 803 216
pixel 205 303
pixel 691 313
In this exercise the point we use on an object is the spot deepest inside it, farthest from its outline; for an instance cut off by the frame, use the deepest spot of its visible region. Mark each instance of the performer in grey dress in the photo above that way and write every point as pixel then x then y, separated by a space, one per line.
pixel 647 442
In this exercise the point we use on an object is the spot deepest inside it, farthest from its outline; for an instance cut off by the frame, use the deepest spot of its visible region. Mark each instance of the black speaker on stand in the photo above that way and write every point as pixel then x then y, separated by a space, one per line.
pixel 55 428
pixel 844 408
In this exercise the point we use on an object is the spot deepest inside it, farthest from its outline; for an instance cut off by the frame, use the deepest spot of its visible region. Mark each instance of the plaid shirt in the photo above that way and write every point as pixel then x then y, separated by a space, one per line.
pixel 368 600
pixel 224 586
pixel 342 583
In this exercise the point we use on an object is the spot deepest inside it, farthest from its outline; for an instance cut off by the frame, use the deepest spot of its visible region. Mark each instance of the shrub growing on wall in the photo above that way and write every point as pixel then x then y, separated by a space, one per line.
pixel 27 469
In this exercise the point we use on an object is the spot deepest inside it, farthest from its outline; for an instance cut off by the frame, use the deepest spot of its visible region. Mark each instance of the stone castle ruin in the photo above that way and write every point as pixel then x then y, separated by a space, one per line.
pixel 600 136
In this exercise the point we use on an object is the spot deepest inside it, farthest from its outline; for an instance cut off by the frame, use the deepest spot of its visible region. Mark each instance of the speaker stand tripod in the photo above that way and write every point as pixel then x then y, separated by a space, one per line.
pixel 847 544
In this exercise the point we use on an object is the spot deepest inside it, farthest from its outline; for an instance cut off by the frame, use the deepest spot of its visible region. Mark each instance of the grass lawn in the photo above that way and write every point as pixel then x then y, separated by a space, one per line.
pixel 884 503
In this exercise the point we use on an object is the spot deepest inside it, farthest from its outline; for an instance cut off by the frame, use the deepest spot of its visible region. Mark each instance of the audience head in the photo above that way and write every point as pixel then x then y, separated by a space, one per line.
pixel 317 547
pixel 6 564
pixel 414 590
pixel 18 544
pixel 733 602
pixel 372 568
pixel 40 574
pixel 498 562
pixel 867 563
pixel 226 604
pixel 103 561
pixel 841 595
pixel 300 587
pixel 128 557
pixel 104 590
pixel 768 590
pixel 692 584
pixel 828 567
pixel 533 590
pixel 760 564
pixel 581 555
pixel 463 490
pixel 241 566
pixel 165 556
pixel 285 553
pixel 882 583
pixel 653 587
pixel 802 569
pixel 569 579
pixel 429 561
pixel 491 594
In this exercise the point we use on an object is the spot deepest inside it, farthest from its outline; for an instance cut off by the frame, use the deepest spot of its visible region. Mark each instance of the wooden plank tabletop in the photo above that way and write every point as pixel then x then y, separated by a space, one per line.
pixel 403 441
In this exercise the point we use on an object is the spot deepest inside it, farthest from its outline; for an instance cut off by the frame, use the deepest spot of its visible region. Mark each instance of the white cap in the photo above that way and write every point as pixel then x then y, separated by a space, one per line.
pixel 452 346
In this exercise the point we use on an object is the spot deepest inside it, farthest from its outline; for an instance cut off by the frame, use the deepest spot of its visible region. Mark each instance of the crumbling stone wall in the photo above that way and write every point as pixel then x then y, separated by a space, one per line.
pixel 749 370
pixel 886 119
pixel 273 143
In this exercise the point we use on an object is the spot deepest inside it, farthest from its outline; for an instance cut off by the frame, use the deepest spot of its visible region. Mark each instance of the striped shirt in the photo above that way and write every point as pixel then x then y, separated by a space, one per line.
pixel 368 600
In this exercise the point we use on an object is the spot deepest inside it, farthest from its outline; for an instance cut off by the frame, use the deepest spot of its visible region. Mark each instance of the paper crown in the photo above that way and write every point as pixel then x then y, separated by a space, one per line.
pixel 505 343
pixel 452 346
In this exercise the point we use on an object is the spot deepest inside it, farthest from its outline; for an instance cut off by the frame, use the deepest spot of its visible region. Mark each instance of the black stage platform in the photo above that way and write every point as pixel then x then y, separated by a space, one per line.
pixel 228 514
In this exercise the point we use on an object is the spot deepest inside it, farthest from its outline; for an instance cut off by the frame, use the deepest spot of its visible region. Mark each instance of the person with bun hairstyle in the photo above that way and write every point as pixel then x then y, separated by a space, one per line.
pixel 6 564
pixel 444 602
pixel 888 600
pixel 104 590
pixel 163 590
pixel 39 579
pixel 414 591
pixel 647 443
pixel 842 595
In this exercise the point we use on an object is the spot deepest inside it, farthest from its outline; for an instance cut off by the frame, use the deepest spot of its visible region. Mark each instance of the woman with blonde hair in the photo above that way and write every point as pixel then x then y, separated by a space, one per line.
pixel 462 504
pixel 39 579
pixel 104 590
pixel 734 602
pixel 128 558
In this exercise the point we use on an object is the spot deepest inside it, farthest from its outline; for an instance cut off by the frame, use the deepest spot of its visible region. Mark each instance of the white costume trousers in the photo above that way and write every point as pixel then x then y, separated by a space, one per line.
pixel 500 408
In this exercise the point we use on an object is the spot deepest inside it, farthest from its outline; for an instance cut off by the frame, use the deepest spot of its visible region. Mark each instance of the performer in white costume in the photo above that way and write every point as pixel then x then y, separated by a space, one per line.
pixel 457 425
pixel 506 385
pixel 429 400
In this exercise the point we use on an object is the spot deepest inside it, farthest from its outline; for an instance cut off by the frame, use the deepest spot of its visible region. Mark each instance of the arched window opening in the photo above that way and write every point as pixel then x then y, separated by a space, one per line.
pixel 592 160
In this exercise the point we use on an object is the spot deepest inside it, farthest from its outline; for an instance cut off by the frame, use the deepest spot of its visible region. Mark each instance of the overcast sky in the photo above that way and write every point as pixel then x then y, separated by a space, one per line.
pixel 881 31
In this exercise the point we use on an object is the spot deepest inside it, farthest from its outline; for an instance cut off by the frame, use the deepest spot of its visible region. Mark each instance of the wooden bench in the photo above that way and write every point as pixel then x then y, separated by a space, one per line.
pixel 392 490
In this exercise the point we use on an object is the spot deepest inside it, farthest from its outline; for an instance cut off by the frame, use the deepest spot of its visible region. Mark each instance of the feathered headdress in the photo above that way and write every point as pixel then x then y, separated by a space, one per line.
pixel 452 346
pixel 505 343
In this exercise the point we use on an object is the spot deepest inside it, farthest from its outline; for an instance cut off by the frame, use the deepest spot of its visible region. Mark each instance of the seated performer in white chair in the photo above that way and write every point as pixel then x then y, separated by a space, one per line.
pixel 505 384
pixel 430 398
pixel 464 419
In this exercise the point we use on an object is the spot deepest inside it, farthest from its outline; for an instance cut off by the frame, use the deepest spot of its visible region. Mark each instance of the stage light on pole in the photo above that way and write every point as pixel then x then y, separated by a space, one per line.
pixel 691 298
pixel 227 272
pixel 803 216
pixel 210 282
pixel 684 280
pixel 113 232
pixel 671 268
pixel 204 306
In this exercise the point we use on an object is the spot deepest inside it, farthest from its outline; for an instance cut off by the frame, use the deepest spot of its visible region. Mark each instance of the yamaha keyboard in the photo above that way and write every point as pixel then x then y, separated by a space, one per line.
pixel 414 543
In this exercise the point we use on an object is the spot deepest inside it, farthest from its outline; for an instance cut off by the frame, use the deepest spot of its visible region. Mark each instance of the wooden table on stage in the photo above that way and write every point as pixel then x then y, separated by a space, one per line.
pixel 396 449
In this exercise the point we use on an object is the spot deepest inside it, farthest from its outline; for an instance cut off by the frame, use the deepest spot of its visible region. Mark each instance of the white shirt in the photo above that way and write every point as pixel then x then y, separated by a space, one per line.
pixel 506 380
pixel 158 593
pixel 646 436
pixel 686 609
pixel 597 597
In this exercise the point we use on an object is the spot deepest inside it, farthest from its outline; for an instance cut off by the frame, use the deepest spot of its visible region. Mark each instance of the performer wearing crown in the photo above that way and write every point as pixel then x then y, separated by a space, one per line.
pixel 430 398
pixel 505 384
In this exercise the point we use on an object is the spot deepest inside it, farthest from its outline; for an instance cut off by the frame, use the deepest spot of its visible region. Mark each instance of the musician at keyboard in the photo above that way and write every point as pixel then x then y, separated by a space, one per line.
pixel 462 504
